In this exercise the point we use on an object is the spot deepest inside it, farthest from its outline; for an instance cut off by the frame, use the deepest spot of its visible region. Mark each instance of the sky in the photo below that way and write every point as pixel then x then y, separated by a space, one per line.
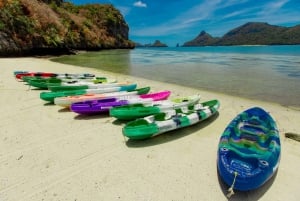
pixel 177 21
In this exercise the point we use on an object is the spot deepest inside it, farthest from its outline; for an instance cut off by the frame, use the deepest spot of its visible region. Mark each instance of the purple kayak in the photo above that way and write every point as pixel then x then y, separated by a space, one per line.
pixel 97 106
pixel 105 104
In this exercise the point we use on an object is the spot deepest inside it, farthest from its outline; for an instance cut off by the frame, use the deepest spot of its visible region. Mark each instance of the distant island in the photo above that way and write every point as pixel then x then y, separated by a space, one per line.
pixel 157 43
pixel 251 33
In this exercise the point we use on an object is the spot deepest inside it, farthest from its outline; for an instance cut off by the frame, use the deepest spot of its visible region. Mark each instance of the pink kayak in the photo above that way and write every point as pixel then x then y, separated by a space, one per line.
pixel 67 101
pixel 105 104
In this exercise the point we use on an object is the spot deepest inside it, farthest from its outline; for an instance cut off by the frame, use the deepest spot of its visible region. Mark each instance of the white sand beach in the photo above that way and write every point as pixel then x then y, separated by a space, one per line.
pixel 49 153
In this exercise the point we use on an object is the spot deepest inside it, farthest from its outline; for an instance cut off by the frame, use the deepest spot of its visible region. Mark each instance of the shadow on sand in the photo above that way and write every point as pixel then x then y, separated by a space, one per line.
pixel 91 116
pixel 64 109
pixel 49 104
pixel 252 195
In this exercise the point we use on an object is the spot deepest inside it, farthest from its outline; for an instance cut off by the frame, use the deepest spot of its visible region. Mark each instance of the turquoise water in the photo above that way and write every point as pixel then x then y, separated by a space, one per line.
pixel 268 73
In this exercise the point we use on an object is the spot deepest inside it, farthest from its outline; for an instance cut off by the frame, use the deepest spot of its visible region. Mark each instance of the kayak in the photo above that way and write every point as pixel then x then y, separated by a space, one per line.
pixel 32 74
pixel 57 74
pixel 88 85
pixel 134 111
pixel 249 150
pixel 19 71
pixel 20 74
pixel 85 76
pixel 67 101
pixel 153 125
pixel 44 83
pixel 41 83
pixel 50 96
pixel 104 105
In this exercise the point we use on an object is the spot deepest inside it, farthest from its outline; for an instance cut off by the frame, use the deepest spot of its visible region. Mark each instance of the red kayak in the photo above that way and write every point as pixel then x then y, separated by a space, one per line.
pixel 58 75
pixel 35 74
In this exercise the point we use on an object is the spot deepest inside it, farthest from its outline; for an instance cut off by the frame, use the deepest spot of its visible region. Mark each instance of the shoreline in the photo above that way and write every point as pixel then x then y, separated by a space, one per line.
pixel 267 80
pixel 49 153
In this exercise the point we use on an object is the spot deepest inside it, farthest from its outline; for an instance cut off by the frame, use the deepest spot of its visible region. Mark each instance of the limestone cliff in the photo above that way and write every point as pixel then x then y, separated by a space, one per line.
pixel 32 27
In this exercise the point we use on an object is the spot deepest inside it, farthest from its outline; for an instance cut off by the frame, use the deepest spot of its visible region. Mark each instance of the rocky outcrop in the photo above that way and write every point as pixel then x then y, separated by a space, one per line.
pixel 32 27
pixel 156 43
pixel 203 39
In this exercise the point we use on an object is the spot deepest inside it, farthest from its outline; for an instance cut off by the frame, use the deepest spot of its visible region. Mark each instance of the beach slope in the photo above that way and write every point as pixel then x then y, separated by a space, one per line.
pixel 49 153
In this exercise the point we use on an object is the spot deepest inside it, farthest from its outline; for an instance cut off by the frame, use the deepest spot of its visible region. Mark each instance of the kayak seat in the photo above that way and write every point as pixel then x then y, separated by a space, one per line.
pixel 250 139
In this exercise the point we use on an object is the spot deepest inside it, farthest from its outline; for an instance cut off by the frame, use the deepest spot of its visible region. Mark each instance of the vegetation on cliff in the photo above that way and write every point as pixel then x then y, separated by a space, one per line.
pixel 252 33
pixel 29 27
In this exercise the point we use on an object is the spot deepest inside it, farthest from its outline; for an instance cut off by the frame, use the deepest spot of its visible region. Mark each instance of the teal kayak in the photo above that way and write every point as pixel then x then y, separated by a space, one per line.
pixel 88 85
pixel 50 96
pixel 134 111
pixel 153 125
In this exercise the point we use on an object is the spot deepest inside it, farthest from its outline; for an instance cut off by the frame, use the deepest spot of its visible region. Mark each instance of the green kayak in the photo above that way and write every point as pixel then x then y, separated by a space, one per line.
pixel 42 83
pixel 134 111
pixel 153 125
pixel 54 82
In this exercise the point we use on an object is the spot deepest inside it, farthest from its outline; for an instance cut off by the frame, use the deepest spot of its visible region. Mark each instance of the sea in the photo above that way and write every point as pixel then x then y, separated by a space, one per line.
pixel 266 73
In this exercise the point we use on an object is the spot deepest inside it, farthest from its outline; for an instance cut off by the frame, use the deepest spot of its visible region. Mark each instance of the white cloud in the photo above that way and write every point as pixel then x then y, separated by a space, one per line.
pixel 197 13
pixel 242 13
pixel 124 10
pixel 273 7
pixel 278 4
pixel 140 4
pixel 228 3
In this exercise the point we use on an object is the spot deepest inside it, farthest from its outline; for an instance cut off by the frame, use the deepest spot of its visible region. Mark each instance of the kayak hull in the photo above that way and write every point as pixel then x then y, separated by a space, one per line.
pixel 150 126
pixel 96 106
pixel 249 150
pixel 110 101
pixel 86 94
pixel 134 111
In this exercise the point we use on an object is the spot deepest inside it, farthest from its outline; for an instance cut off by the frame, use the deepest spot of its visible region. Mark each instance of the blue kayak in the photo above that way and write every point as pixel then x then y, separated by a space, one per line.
pixel 249 150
